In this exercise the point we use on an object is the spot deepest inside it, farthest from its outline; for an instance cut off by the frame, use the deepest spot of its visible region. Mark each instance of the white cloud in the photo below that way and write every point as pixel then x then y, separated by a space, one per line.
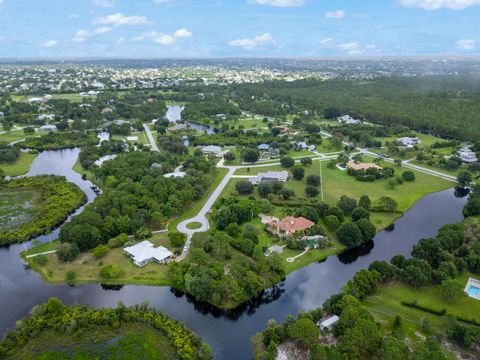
pixel 101 30
pixel 252 43
pixel 73 16
pixel 160 1
pixel 466 44
pixel 326 41
pixel 438 4
pixel 279 3
pixel 337 14
pixel 352 48
pixel 103 3
pixel 182 33
pixel 118 19
pixel 121 40
pixel 82 35
pixel 370 46
pixel 163 39
pixel 49 43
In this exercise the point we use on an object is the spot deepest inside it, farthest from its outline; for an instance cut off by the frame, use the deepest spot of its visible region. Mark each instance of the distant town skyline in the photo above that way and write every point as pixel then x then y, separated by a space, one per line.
pixel 238 28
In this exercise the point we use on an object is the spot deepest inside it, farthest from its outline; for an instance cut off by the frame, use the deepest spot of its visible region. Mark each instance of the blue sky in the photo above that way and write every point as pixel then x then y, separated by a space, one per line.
pixel 224 28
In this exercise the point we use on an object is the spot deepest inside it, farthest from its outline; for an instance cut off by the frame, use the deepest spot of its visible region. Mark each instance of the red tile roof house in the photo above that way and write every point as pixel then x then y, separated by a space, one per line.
pixel 290 226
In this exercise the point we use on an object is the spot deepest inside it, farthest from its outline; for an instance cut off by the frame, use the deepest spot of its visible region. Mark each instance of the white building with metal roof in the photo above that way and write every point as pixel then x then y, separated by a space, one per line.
pixel 269 176
pixel 145 252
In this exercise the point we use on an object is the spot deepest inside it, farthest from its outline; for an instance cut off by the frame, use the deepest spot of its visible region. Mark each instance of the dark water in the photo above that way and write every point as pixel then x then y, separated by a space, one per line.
pixel 228 333
pixel 174 113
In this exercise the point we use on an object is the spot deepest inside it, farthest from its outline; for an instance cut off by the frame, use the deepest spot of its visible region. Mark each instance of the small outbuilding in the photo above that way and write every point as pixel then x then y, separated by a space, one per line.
pixel 329 323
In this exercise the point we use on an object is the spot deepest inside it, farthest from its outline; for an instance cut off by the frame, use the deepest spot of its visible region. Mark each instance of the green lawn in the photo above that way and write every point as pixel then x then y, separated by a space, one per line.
pixel 337 183
pixel 141 138
pixel 12 135
pixel 194 225
pixel 194 208
pixel 427 140
pixel 78 168
pixel 386 304
pixel 87 267
pixel 21 166
pixel 439 168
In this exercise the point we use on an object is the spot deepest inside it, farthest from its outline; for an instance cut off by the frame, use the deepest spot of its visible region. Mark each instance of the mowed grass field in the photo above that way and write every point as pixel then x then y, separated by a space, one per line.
pixel 20 167
pixel 87 267
pixel 337 183
pixel 12 135
pixel 386 304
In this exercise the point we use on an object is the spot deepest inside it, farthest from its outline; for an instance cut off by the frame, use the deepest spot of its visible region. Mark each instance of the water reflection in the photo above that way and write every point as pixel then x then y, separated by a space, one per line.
pixel 227 331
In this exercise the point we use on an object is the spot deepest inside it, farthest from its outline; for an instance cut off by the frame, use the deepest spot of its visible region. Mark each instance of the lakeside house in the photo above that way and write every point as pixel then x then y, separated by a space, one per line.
pixel 268 176
pixel 467 155
pixel 329 323
pixel 348 120
pixel 289 226
pixel 408 141
pixel 145 252
pixel 177 127
pixel 362 166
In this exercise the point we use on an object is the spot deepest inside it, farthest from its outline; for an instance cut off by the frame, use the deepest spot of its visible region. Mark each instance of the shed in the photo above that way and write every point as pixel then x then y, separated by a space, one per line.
pixel 329 323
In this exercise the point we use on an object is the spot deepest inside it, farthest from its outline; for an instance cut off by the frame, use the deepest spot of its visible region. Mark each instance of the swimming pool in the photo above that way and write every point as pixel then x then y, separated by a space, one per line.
pixel 473 291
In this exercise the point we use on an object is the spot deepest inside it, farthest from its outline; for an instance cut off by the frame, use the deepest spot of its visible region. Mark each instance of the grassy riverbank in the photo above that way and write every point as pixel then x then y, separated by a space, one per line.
pixel 19 167
pixel 87 268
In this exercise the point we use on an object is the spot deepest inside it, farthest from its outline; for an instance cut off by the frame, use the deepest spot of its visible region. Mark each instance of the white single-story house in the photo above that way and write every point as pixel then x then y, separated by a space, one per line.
pixel 347 119
pixel 47 128
pixel 179 174
pixel 213 149
pixel 46 117
pixel 467 155
pixel 36 99
pixel 328 323
pixel 303 145
pixel 263 147
pixel 408 141
pixel 145 252
pixel 269 176
pixel 100 161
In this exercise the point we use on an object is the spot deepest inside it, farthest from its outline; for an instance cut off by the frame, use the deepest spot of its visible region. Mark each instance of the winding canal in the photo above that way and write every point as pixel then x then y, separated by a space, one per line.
pixel 228 333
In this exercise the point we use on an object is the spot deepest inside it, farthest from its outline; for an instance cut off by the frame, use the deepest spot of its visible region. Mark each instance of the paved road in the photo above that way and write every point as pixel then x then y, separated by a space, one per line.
pixel 151 138
pixel 201 217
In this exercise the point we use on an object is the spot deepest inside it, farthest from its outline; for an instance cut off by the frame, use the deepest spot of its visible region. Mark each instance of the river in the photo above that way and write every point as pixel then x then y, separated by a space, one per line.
pixel 174 114
pixel 228 333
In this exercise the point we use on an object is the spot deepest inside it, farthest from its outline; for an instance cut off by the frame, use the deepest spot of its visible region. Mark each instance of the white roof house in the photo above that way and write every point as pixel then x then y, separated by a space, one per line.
pixel 213 149
pixel 47 128
pixel 347 119
pixel 179 174
pixel 328 323
pixel 269 176
pixel 408 141
pixel 467 155
pixel 145 252
pixel 46 117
